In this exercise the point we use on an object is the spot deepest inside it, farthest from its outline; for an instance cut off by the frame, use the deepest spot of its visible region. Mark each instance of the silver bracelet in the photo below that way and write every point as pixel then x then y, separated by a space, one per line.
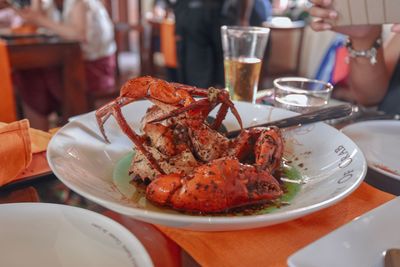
pixel 370 53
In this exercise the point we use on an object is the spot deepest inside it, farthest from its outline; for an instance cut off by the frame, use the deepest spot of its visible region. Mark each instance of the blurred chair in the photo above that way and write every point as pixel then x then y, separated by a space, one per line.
pixel 168 48
pixel 155 62
pixel 123 28
pixel 286 39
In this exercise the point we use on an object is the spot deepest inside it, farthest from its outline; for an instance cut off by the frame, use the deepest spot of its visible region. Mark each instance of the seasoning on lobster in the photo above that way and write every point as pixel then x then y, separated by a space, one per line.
pixel 184 161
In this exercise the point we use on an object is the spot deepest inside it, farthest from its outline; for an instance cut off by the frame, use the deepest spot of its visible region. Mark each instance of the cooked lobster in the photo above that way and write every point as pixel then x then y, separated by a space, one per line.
pixel 187 164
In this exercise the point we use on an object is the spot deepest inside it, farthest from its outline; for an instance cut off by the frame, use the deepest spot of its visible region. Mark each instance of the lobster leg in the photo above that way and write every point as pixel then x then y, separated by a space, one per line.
pixel 135 138
pixel 223 97
pixel 195 91
pixel 103 113
pixel 207 105
pixel 200 105
pixel 223 110
pixel 234 112
pixel 114 108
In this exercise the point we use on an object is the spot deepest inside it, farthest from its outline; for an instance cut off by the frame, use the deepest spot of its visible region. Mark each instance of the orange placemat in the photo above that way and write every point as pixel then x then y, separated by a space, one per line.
pixel 271 246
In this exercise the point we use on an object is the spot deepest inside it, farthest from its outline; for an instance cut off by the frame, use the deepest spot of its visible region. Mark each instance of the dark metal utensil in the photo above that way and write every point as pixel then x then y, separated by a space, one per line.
pixel 329 113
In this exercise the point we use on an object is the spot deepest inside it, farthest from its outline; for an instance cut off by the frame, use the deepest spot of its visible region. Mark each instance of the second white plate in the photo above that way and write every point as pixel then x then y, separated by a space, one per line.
pixel 360 243
pixel 47 235
pixel 380 142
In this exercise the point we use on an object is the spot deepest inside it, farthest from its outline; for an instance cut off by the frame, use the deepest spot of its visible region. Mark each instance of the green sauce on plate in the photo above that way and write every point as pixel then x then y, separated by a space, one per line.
pixel 122 181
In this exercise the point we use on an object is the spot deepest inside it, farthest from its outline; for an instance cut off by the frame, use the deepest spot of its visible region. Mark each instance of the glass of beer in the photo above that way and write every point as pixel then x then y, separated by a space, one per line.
pixel 301 95
pixel 243 53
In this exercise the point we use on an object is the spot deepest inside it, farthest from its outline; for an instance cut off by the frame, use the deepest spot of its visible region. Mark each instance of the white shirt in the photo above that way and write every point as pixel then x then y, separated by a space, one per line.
pixel 50 10
pixel 99 29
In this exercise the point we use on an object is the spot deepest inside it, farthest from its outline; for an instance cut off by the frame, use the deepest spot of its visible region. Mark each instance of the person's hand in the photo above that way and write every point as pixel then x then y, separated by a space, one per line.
pixel 324 13
pixel 396 28
pixel 31 16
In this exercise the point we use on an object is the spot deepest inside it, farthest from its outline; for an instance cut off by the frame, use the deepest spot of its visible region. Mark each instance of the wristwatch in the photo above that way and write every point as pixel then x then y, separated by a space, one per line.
pixel 370 53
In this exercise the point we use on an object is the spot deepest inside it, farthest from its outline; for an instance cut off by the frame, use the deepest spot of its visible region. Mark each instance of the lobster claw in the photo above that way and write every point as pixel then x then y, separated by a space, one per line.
pixel 219 186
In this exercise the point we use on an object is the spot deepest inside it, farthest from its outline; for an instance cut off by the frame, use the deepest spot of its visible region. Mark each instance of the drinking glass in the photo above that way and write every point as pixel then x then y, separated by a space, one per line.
pixel 243 52
pixel 301 95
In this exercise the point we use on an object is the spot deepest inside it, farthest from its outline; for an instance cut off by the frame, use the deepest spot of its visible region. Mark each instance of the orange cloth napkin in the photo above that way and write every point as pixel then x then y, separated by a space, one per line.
pixel 7 106
pixel 18 143
pixel 271 246
pixel 15 150
pixel 39 139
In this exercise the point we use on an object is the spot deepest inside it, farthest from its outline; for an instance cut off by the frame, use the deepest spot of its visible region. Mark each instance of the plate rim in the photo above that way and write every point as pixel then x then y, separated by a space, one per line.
pixel 142 214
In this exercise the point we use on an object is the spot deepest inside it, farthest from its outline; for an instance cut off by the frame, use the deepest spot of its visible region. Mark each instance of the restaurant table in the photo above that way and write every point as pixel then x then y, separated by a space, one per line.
pixel 46 51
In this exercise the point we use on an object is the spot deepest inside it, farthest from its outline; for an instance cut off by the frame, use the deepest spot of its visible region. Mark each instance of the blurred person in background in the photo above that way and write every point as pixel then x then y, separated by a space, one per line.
pixel 371 83
pixel 198 37
pixel 10 18
pixel 260 11
pixel 86 21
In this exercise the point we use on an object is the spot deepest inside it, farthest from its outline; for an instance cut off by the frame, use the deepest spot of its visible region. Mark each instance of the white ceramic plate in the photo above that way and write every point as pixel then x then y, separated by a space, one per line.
pixel 47 235
pixel 329 162
pixel 362 242
pixel 380 142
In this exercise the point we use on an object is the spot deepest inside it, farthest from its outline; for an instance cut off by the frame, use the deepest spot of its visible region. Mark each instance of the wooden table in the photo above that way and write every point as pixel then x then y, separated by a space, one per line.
pixel 36 52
